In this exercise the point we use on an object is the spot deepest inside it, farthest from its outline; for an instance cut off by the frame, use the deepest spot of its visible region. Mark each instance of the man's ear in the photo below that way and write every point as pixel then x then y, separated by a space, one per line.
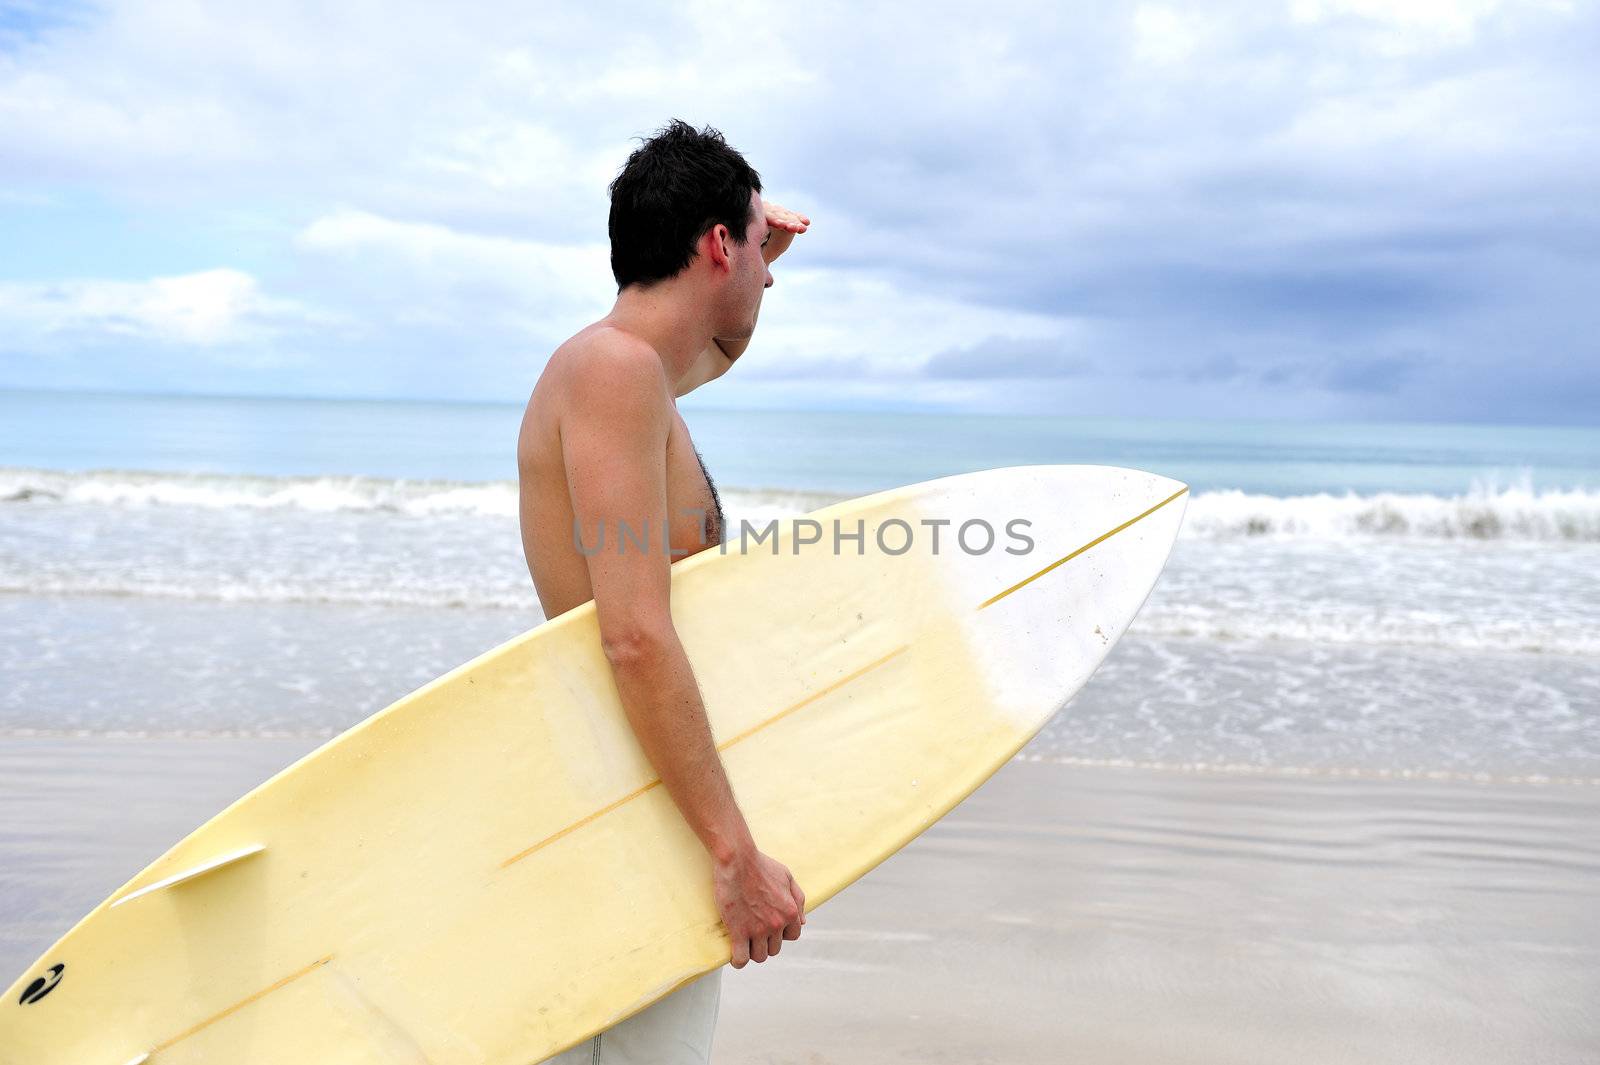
pixel 718 246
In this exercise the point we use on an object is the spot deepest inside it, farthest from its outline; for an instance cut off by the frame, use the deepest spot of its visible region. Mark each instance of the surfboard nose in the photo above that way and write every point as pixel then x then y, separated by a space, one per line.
pixel 1084 547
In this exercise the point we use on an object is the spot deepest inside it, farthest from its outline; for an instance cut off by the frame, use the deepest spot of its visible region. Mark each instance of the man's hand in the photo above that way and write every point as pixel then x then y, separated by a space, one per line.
pixel 786 225
pixel 761 905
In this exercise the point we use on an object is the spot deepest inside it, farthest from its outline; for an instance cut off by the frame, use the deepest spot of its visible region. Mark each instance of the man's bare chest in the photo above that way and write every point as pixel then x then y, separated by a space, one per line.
pixel 695 509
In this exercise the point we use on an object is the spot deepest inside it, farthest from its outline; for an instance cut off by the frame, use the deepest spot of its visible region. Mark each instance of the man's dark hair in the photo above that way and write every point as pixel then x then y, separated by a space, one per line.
pixel 673 188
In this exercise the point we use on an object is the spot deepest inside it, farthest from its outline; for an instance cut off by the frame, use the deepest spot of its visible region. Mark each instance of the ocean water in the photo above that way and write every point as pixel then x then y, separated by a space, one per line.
pixel 1345 599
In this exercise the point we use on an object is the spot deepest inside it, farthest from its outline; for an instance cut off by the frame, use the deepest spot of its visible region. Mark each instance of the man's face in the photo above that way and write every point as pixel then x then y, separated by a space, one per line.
pixel 750 274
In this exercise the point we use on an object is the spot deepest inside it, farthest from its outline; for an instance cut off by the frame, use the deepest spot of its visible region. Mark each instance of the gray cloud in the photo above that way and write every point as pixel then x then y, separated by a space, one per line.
pixel 1003 358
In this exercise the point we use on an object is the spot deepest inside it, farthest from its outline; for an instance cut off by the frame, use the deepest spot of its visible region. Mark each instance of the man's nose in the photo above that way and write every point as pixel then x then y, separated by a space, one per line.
pixel 769 280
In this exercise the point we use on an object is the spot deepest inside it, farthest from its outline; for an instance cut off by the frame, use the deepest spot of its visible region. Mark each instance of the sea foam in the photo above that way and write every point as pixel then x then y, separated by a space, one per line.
pixel 1485 512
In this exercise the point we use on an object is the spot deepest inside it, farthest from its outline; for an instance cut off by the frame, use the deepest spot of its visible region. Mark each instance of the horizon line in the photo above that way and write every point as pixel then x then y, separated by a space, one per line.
pixel 714 408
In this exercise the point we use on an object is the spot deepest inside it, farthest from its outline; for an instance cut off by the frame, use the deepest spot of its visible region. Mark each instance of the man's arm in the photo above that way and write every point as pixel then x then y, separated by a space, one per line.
pixel 613 444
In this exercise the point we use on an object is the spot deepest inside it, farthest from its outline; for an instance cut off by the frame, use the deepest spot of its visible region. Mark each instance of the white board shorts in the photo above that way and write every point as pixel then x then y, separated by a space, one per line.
pixel 675 1030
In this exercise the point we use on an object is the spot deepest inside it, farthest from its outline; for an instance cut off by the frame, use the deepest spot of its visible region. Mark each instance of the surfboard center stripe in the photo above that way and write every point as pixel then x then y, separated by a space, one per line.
pixel 746 734
pixel 241 1004
pixel 813 697
pixel 634 794
pixel 1102 538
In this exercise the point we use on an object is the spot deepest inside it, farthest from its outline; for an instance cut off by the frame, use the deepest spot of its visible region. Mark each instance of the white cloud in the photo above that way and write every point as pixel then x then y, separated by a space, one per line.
pixel 466 290
pixel 1454 19
pixel 855 322
pixel 439 255
pixel 206 309
pixel 1165 35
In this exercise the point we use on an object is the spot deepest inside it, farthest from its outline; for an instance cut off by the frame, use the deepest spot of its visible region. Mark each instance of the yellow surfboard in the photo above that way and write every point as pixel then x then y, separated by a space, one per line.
pixel 488 871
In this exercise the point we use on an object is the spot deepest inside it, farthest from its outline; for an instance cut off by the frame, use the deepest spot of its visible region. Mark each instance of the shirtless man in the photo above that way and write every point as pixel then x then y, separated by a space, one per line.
pixel 603 445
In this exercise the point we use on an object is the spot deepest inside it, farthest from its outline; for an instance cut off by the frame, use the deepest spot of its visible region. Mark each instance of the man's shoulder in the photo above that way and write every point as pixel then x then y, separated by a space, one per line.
pixel 602 341
pixel 607 367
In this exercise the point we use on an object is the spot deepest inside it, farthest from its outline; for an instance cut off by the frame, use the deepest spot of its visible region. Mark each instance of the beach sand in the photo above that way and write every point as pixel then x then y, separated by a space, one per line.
pixel 1064 913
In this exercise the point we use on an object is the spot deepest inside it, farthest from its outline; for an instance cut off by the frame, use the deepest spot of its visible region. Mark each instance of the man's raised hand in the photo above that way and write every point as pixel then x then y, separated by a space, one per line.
pixel 786 225
pixel 780 217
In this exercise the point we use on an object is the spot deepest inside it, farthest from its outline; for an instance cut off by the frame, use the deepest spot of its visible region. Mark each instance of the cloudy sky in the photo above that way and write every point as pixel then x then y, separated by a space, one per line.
pixel 1326 208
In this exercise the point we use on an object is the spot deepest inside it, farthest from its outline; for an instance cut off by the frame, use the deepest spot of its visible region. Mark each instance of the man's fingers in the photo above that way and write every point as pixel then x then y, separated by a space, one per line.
pixel 783 218
pixel 757 930
pixel 792 930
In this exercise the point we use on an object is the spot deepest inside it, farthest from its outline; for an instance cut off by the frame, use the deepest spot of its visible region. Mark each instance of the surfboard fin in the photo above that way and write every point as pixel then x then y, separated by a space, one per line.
pixel 137 1059
pixel 222 861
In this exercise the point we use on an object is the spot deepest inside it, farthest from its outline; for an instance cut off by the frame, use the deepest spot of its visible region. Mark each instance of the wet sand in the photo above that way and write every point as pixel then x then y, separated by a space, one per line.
pixel 1062 914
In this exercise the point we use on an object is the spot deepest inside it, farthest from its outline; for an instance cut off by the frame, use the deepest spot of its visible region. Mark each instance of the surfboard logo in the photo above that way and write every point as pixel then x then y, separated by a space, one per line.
pixel 42 986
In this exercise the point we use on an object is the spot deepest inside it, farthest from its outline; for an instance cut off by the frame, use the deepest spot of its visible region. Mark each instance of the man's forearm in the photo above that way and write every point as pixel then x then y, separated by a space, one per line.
pixel 664 707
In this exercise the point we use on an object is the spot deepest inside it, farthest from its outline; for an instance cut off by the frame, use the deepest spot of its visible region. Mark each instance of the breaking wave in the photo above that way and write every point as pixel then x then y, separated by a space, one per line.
pixel 420 498
pixel 1487 512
